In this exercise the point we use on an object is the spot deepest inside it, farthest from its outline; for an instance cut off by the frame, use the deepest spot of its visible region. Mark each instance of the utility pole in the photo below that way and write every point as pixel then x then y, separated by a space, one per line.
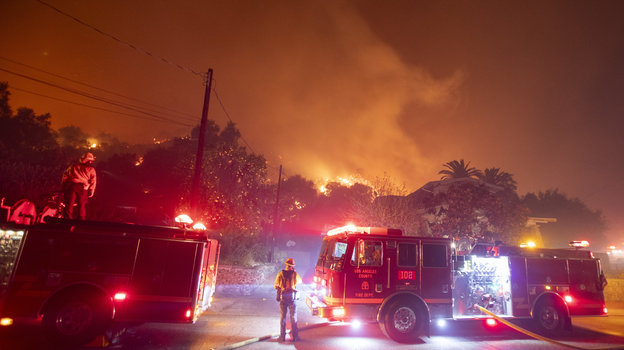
pixel 275 218
pixel 199 158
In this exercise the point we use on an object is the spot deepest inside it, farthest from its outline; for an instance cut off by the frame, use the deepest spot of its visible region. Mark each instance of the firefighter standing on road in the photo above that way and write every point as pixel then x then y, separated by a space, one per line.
pixel 285 284
pixel 78 185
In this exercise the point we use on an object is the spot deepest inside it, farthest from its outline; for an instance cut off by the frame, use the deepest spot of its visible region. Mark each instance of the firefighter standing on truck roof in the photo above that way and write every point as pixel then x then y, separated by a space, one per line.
pixel 285 284
pixel 78 185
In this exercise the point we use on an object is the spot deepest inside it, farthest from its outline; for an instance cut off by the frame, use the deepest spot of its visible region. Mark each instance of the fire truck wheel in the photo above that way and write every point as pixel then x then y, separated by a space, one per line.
pixel 549 317
pixel 74 320
pixel 403 322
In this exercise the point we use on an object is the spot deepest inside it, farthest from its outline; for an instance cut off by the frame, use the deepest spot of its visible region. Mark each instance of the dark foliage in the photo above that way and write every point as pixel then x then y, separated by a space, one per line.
pixel 575 221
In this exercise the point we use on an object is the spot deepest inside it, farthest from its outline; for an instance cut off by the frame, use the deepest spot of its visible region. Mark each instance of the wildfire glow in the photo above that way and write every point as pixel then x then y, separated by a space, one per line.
pixel 323 189
pixel 347 181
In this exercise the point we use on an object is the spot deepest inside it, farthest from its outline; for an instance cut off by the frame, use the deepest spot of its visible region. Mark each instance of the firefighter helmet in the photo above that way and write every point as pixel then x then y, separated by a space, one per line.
pixel 88 157
pixel 290 262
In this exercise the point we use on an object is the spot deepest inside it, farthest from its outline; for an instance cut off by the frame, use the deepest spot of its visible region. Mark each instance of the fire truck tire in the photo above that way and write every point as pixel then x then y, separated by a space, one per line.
pixel 549 317
pixel 404 321
pixel 75 320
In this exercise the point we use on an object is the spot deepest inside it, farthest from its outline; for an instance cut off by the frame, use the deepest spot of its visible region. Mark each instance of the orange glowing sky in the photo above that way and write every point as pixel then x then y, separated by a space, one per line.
pixel 332 88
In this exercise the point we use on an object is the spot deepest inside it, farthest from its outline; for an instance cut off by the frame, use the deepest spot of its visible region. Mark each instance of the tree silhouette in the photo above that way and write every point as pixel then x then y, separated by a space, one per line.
pixel 575 221
pixel 458 169
pixel 73 137
pixel 5 109
pixel 472 210
pixel 497 177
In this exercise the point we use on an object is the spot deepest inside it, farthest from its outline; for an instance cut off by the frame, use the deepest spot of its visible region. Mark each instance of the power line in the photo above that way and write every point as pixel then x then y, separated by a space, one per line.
pixel 93 107
pixel 241 136
pixel 130 45
pixel 145 52
pixel 149 116
pixel 97 88
pixel 230 119
pixel 84 94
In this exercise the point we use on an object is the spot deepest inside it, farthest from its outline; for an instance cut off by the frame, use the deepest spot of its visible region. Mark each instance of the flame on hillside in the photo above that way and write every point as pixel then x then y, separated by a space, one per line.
pixel 347 181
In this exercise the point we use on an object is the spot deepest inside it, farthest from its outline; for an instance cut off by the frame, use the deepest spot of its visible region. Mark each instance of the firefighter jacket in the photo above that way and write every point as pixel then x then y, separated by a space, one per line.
pixel 81 173
pixel 286 281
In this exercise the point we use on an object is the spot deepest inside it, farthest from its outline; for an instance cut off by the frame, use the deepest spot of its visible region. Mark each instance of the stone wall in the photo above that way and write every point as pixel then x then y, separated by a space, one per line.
pixel 243 280
pixel 614 291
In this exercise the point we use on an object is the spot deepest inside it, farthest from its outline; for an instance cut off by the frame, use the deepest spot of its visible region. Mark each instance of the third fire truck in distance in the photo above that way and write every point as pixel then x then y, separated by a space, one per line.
pixel 405 282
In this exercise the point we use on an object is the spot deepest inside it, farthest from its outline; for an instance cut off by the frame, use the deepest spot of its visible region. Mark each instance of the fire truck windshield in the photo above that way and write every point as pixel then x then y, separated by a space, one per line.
pixel 338 250
pixel 333 257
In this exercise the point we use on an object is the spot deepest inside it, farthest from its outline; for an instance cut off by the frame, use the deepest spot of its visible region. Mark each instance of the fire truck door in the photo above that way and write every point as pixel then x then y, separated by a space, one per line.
pixel 366 283
pixel 585 287
pixel 406 273
pixel 519 292
pixel 436 273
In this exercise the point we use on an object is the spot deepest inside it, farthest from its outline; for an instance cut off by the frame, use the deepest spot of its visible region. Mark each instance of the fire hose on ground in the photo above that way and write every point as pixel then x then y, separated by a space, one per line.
pixel 537 336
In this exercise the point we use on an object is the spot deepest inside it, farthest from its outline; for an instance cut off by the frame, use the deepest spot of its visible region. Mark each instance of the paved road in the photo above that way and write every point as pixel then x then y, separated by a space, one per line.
pixel 237 317
pixel 612 325
pixel 369 337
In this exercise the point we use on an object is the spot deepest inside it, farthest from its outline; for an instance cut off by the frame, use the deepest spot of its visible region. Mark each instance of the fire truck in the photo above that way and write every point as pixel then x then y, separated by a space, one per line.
pixel 77 277
pixel 406 282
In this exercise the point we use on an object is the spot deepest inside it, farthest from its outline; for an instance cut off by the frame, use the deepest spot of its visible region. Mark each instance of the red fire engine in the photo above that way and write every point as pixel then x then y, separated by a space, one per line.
pixel 78 276
pixel 405 282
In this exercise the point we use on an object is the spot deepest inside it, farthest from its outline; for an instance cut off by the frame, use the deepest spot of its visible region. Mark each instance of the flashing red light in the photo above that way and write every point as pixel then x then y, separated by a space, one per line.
pixel 189 312
pixel 604 310
pixel 338 312
pixel 568 299
pixel 369 230
pixel 579 244
pixel 184 219
pixel 121 296
pixel 491 322
pixel 339 230
pixel 199 226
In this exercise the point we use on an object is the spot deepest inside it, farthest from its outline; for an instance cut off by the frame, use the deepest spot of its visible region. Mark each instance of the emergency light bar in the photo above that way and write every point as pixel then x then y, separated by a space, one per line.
pixel 368 230
pixel 344 229
pixel 199 226
pixel 579 244
pixel 184 219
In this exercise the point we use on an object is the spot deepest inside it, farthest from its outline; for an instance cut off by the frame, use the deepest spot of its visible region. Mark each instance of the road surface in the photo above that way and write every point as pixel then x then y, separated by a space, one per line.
pixel 237 318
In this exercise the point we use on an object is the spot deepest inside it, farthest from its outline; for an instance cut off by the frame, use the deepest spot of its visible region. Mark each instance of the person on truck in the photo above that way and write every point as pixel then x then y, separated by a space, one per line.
pixel 78 185
pixel 285 284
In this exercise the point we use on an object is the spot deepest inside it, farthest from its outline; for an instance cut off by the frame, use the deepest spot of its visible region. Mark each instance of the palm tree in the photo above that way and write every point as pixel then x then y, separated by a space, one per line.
pixel 456 170
pixel 497 177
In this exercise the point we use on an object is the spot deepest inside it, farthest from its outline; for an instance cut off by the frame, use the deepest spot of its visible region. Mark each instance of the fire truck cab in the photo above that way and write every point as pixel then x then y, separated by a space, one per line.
pixel 77 277
pixel 404 282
